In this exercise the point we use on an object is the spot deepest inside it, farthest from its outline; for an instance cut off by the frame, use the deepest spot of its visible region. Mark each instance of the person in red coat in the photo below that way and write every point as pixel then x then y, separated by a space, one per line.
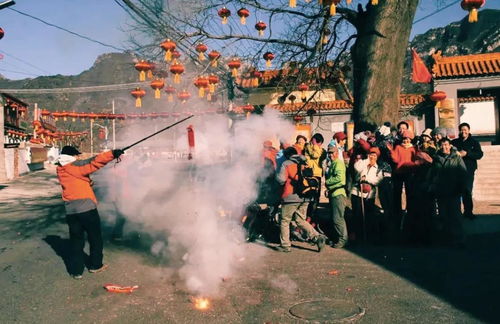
pixel 80 203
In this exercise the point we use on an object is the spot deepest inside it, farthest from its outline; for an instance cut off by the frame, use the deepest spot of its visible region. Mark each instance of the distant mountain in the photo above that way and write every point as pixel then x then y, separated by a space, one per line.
pixel 457 38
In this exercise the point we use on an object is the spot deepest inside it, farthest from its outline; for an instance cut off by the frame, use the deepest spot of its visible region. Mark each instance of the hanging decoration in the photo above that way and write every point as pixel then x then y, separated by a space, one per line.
pixel 333 6
pixel 176 55
pixel 138 93
pixel 292 3
pixel 224 13
pixel 177 69
pixel 256 75
pixel 150 71
pixel 244 13
pixel 214 57
pixel 2 33
pixel 261 26
pixel 297 119
pixel 374 2
pixel 201 49
pixel 292 98
pixel 142 66
pixel 168 46
pixel 472 6
pixel 268 56
pixel 183 96
pixel 201 83
pixel 212 80
pixel 170 90
pixel 438 97
pixel 326 36
pixel 234 65
pixel 157 85
pixel 303 88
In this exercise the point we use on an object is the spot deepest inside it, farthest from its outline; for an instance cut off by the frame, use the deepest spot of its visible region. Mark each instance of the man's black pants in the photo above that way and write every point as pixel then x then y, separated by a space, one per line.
pixel 80 223
pixel 467 193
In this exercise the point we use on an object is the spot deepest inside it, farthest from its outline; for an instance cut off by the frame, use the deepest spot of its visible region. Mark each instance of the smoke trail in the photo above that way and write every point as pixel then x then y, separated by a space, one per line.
pixel 197 204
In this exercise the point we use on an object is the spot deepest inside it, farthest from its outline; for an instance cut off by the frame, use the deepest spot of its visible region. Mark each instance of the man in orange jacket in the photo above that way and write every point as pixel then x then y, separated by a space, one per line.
pixel 81 206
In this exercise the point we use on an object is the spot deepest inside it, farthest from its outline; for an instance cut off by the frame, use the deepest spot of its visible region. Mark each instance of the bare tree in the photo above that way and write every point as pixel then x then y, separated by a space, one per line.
pixel 308 37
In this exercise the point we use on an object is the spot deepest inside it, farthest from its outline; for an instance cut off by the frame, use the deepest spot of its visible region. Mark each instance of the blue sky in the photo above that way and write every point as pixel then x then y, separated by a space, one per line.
pixel 31 48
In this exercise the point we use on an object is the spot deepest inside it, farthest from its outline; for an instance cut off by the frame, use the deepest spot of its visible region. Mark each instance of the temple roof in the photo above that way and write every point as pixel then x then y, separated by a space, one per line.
pixel 466 65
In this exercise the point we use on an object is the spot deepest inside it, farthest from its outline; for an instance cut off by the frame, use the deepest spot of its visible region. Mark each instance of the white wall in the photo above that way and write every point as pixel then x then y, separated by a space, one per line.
pixel 479 115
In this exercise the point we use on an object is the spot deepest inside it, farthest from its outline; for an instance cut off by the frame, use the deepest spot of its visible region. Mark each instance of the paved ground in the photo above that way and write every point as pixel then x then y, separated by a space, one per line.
pixel 379 284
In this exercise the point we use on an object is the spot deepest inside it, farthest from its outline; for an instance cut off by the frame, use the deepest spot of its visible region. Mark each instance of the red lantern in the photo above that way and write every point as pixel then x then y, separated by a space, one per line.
pixel 138 93
pixel 261 26
pixel 149 72
pixel 243 13
pixel 102 134
pixel 212 80
pixel 297 118
pixel 93 116
pixel 201 49
pixel 256 75
pixel 45 113
pixel 333 6
pixel 268 56
pixel 374 2
pixel 214 57
pixel 177 69
pixel 438 96
pixel 64 115
pixel 201 83
pixel 2 33
pixel 472 6
pixel 176 55
pixel 248 109
pixel 183 96
pixel 170 91
pixel 292 98
pixel 142 66
pixel 234 65
pixel 303 88
pixel 169 46
pixel 157 85
pixel 224 13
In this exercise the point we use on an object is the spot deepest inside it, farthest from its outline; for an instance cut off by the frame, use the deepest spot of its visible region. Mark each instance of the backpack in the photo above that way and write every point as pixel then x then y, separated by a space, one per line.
pixel 306 186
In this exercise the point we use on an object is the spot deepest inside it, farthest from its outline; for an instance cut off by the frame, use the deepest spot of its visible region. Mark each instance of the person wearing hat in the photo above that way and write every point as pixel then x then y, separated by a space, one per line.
pixel 437 134
pixel 367 176
pixel 335 182
pixel 426 143
pixel 470 151
pixel 80 203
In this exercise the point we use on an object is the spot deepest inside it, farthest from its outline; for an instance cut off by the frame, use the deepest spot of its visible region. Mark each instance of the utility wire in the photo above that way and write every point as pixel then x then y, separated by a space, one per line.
pixel 23 61
pixel 110 87
pixel 68 31
pixel 435 12
pixel 19 72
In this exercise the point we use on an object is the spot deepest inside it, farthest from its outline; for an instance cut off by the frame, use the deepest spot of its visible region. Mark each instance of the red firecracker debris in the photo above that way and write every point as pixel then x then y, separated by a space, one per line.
pixel 334 272
pixel 120 289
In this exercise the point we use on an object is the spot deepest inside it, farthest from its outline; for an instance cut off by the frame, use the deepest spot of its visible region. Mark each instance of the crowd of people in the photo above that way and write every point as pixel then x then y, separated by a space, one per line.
pixel 402 188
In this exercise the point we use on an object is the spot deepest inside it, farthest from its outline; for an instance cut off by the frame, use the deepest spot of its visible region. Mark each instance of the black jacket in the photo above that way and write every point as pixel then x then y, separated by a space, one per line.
pixel 473 149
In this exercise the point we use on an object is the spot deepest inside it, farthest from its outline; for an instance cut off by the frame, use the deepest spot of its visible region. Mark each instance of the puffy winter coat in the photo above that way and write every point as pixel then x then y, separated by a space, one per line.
pixel 74 178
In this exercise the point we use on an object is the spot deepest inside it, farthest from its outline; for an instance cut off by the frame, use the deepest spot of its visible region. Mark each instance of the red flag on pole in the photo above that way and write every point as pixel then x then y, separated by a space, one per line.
pixel 420 74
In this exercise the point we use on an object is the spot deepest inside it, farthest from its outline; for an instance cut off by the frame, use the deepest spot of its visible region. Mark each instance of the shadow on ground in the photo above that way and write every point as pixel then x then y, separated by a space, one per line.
pixel 465 278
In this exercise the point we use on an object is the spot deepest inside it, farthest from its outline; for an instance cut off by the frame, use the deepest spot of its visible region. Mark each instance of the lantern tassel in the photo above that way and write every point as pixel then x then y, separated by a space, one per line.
pixel 224 20
pixel 473 15
pixel 235 73
pixel 170 98
pixel 149 74
pixel 209 96
pixel 177 78
pixel 320 2
pixel 138 103
pixel 142 76
pixel 211 88
pixel 438 104
pixel 348 2
pixel 261 33
pixel 293 3
pixel 325 39
pixel 333 9
pixel 374 2
pixel 268 63
pixel 168 56
pixel 201 92
pixel 214 63
pixel 201 56
pixel 157 94
pixel 255 82
pixel 243 20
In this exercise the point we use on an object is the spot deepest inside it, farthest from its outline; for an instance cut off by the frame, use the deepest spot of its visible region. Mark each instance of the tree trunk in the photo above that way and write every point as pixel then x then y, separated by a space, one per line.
pixel 378 60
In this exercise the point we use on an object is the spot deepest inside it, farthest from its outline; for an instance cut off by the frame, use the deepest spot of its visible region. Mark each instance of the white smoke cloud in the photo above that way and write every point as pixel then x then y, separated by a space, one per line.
pixel 195 204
